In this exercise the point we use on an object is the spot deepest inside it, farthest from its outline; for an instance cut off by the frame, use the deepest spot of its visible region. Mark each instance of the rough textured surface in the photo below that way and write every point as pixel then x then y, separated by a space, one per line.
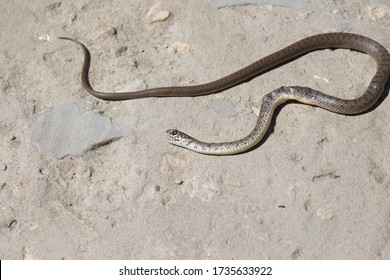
pixel 317 188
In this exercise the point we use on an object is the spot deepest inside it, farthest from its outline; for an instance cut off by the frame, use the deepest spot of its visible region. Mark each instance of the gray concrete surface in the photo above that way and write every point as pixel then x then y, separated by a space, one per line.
pixel 82 178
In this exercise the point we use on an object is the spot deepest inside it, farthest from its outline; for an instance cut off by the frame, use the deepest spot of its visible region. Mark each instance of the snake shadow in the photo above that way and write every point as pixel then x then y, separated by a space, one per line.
pixel 271 127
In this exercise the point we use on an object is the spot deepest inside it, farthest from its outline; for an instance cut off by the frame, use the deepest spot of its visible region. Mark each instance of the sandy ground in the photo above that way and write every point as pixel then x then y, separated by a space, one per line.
pixel 317 188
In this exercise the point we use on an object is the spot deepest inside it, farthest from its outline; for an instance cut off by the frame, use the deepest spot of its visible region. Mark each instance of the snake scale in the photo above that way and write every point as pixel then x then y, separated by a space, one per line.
pixel 271 100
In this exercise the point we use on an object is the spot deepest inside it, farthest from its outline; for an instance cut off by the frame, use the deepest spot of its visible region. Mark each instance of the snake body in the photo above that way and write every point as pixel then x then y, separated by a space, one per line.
pixel 271 100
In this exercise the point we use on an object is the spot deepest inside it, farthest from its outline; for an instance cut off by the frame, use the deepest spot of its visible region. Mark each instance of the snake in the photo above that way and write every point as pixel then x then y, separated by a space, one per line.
pixel 272 100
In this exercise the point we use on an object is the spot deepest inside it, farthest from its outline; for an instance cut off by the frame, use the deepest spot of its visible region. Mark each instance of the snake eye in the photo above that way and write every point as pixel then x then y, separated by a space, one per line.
pixel 174 132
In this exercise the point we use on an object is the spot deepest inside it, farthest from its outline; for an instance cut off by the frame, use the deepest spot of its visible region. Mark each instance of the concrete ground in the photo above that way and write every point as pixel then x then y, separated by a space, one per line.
pixel 82 178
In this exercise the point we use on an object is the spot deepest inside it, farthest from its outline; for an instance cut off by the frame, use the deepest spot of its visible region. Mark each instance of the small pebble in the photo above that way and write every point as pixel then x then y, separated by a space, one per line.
pixel 178 182
pixel 6 216
pixel 324 214
pixel 180 47
pixel 156 13
pixel 83 171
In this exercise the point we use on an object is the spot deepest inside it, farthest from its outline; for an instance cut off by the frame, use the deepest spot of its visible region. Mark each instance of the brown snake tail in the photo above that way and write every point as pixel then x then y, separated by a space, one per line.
pixel 316 42
pixel 271 100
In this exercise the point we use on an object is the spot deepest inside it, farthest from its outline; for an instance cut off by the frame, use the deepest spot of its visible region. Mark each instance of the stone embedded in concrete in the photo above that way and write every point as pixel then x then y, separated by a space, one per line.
pixel 65 131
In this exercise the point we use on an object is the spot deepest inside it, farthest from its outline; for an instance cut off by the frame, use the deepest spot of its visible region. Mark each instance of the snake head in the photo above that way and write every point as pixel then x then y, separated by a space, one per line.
pixel 179 138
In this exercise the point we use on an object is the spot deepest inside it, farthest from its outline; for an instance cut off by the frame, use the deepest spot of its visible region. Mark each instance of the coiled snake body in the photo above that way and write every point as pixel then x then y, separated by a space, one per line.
pixel 271 100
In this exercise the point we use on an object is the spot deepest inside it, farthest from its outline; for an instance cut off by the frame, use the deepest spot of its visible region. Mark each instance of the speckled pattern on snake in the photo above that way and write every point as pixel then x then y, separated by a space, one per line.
pixel 271 100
